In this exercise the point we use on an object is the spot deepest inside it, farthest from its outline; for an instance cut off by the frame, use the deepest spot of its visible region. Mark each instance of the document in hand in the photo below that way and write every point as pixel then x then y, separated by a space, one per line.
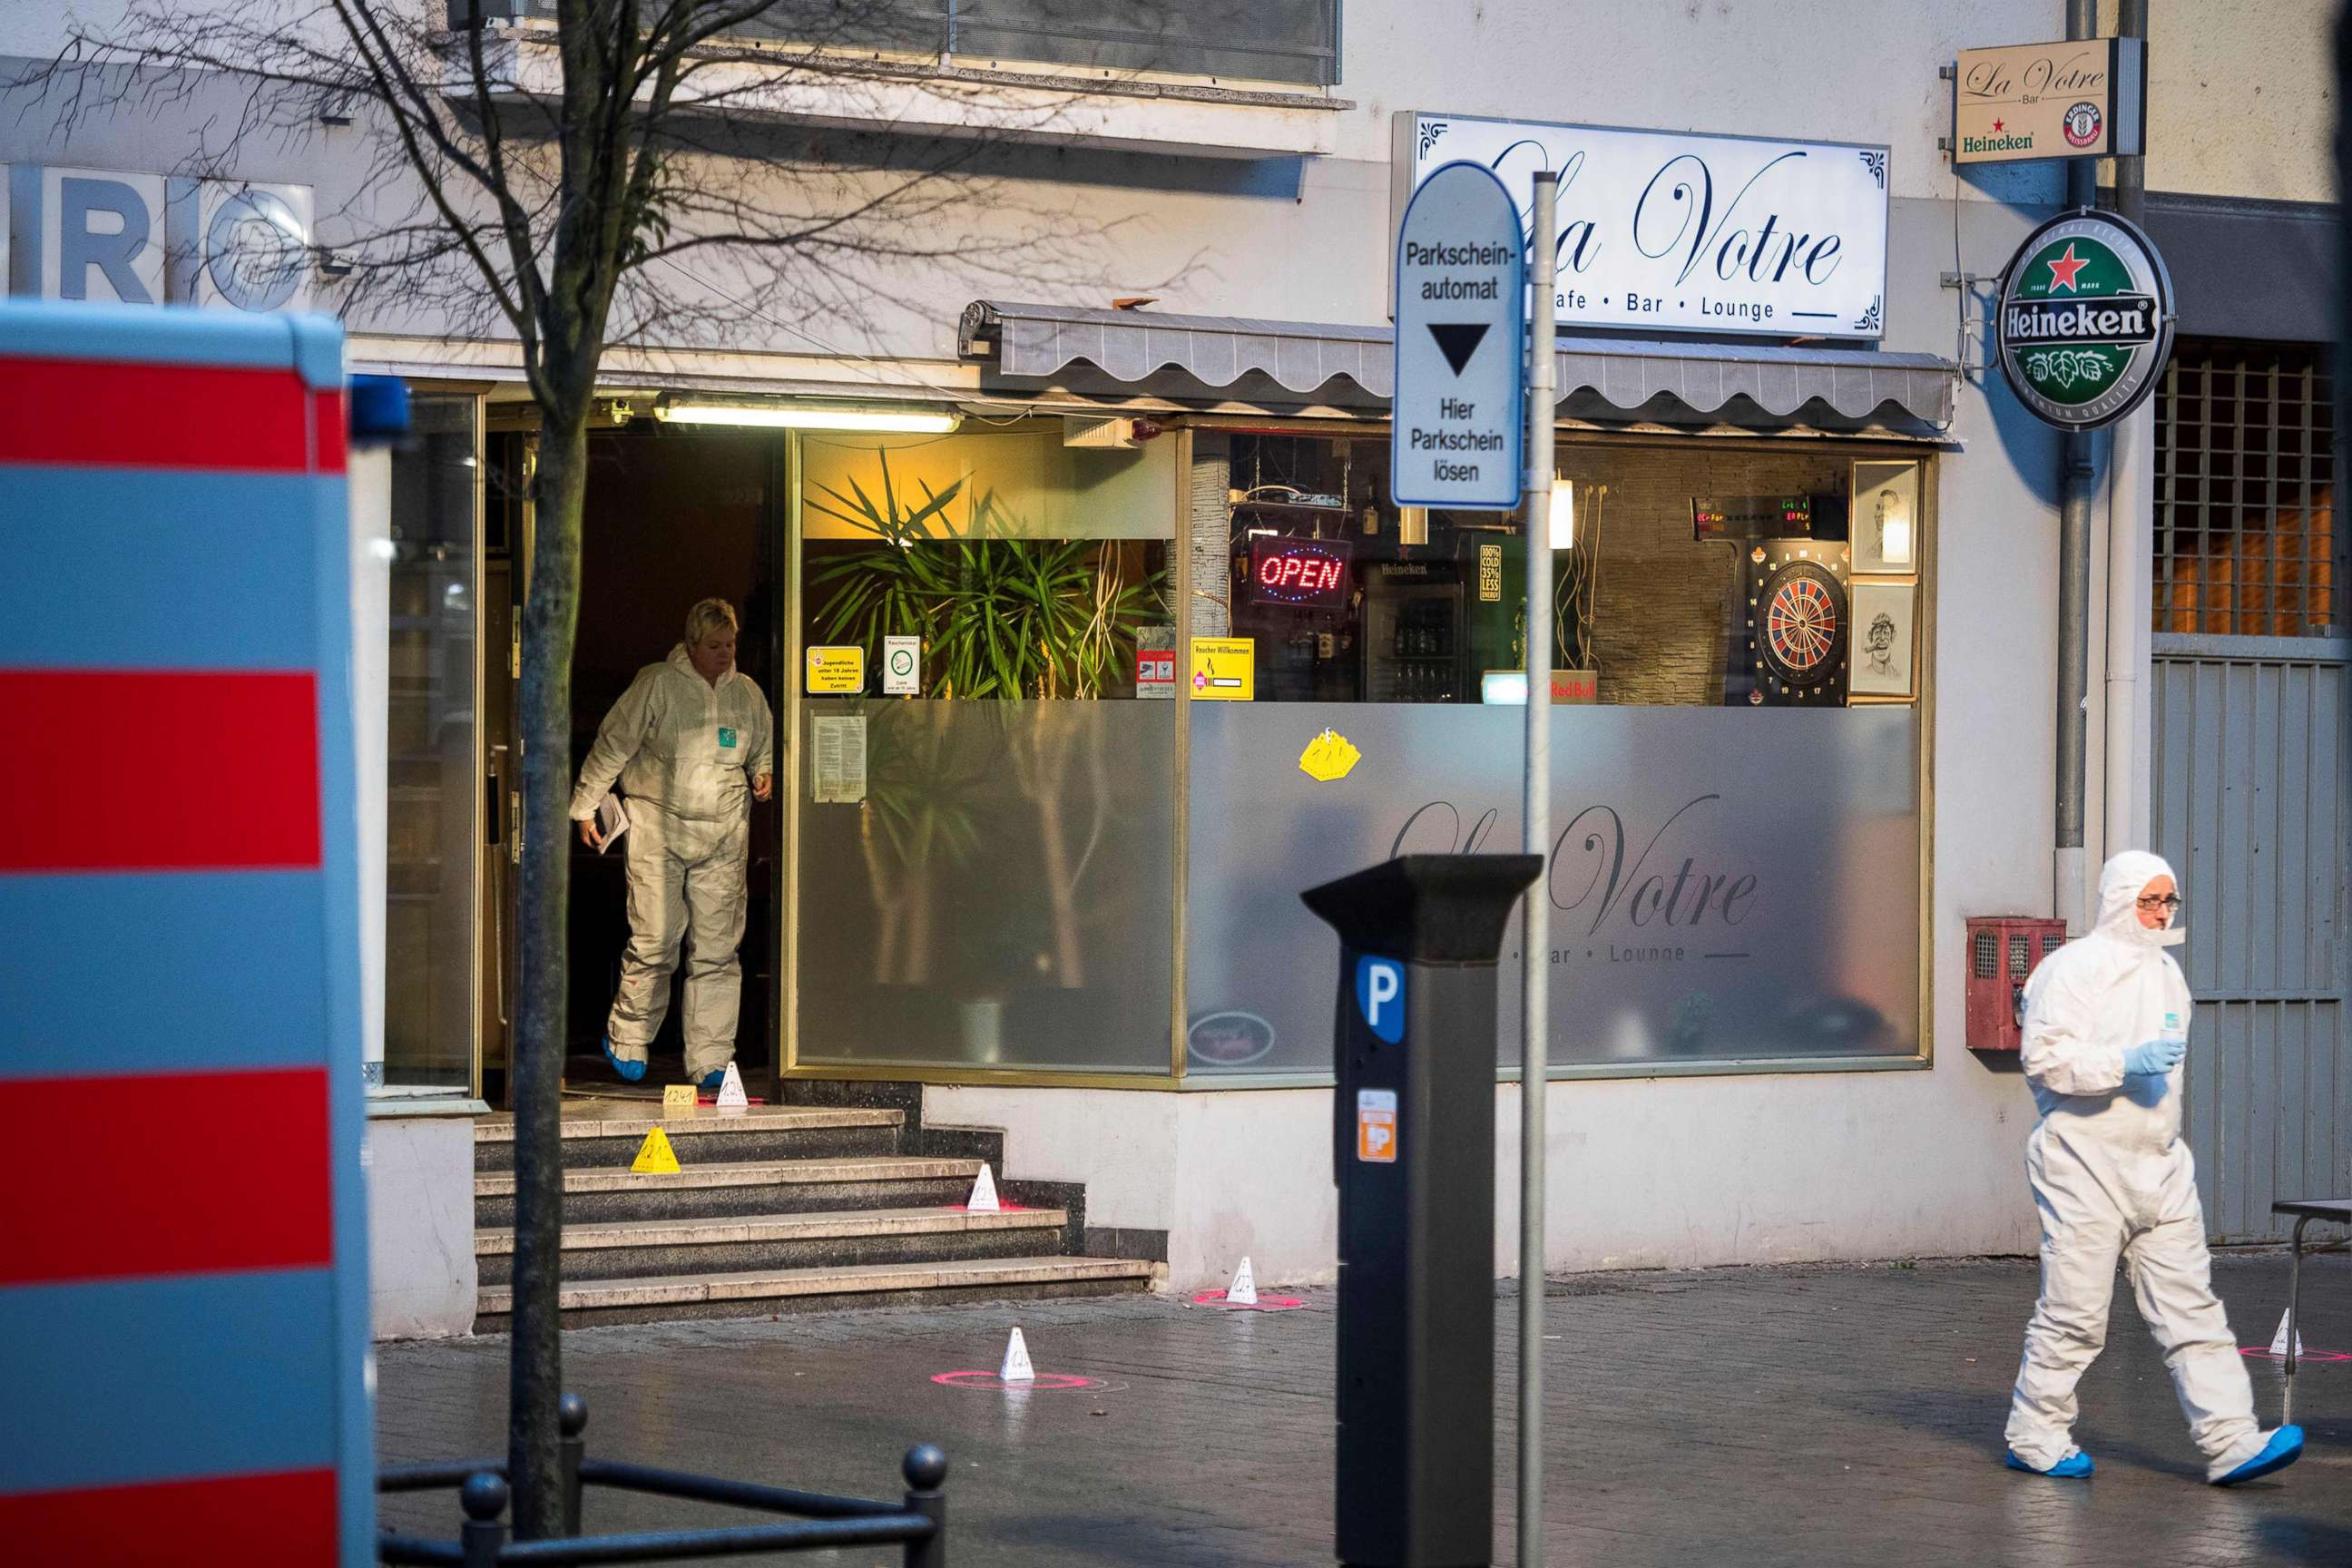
pixel 611 821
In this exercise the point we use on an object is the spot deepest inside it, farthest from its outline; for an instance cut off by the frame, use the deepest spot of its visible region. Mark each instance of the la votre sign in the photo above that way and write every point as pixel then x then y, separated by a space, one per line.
pixel 1671 231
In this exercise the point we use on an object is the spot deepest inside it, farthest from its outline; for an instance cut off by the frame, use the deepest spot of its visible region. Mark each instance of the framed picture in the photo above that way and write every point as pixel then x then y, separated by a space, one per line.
pixel 1886 640
pixel 1883 520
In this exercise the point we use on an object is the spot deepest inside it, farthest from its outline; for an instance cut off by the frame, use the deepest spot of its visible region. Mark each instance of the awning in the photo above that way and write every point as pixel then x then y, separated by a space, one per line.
pixel 1037 343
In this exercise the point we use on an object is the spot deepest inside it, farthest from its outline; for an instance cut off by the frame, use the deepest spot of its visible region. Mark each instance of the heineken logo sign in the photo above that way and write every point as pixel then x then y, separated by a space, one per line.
pixel 2085 319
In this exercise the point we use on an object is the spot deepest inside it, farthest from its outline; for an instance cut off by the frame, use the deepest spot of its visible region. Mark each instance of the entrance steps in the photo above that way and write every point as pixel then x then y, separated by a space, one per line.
pixel 783 1208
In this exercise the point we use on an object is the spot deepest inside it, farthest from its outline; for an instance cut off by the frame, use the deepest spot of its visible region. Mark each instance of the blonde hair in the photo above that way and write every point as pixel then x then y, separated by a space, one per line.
pixel 706 616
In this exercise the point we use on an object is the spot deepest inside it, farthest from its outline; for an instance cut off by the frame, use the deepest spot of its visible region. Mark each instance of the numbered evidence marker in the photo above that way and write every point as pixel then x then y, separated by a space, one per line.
pixel 678 1101
pixel 731 1100
pixel 902 666
pixel 1016 1367
pixel 1461 308
pixel 655 1156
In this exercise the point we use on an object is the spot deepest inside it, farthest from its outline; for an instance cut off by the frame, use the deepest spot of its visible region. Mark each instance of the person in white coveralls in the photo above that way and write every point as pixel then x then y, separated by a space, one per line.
pixel 2106 1028
pixel 691 745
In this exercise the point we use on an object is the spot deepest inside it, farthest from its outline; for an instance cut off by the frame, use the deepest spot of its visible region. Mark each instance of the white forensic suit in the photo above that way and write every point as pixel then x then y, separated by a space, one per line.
pixel 2113 1179
pixel 684 753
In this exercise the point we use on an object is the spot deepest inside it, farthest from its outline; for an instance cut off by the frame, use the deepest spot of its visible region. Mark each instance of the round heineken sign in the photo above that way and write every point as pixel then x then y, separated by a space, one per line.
pixel 2085 319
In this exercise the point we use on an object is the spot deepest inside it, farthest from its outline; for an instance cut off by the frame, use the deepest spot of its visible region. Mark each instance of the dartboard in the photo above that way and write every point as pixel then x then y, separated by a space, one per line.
pixel 1802 637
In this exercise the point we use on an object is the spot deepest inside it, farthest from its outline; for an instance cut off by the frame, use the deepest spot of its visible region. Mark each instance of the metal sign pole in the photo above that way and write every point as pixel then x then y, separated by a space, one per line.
pixel 1535 921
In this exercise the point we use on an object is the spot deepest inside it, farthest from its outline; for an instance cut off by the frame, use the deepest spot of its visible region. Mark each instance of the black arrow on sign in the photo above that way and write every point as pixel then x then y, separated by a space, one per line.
pixel 1457 340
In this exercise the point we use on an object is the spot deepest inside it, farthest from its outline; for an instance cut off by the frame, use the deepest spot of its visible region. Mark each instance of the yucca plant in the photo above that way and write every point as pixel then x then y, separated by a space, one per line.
pixel 1000 615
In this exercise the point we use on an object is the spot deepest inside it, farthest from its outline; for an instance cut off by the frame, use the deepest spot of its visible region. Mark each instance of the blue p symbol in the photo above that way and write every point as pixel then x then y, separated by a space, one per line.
pixel 1379 996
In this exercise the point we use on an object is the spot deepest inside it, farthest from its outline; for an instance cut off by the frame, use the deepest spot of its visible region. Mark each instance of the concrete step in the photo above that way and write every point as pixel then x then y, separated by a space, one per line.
pixel 623 1250
pixel 608 1132
pixel 753 1187
pixel 763 1292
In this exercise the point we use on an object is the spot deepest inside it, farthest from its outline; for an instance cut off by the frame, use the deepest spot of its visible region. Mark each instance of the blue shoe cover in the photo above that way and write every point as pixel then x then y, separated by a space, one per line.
pixel 2284 1448
pixel 712 1081
pixel 2072 1468
pixel 631 1072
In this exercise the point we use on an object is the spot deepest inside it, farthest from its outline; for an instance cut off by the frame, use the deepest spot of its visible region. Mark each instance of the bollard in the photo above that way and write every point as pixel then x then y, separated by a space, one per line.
pixel 572 1417
pixel 484 1499
pixel 1413 1155
pixel 926 1470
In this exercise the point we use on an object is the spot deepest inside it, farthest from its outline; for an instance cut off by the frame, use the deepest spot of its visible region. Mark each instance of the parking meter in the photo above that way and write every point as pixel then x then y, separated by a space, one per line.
pixel 1414 1154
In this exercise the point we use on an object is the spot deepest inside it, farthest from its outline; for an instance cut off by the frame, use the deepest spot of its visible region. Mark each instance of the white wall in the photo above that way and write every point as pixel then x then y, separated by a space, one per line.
pixel 1664 1173
pixel 422 1276
pixel 2240 97
pixel 1290 238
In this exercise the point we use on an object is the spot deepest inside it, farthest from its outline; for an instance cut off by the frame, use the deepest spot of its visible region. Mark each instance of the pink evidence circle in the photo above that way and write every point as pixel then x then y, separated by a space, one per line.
pixel 2263 1352
pixel 1045 1381
pixel 1263 1304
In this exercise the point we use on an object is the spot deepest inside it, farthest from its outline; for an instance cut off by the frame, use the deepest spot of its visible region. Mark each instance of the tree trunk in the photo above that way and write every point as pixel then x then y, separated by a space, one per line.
pixel 535 1365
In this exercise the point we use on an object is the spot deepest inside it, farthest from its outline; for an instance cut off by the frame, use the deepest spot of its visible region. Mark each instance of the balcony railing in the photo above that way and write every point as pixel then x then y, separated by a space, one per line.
pixel 1288 41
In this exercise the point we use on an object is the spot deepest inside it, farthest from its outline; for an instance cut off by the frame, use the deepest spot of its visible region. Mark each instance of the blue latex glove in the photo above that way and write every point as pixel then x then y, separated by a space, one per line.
pixel 2155 1058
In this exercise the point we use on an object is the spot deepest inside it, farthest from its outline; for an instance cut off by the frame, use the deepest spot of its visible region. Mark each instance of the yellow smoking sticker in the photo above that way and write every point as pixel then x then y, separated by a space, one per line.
pixel 1329 756
pixel 1224 669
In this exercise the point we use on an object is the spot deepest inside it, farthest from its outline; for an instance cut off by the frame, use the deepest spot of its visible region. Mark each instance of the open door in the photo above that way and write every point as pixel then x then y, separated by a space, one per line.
pixel 671 518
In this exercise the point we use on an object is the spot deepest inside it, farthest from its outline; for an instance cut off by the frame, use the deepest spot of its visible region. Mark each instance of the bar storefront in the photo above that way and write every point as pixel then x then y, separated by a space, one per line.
pixel 1177 659
pixel 1088 663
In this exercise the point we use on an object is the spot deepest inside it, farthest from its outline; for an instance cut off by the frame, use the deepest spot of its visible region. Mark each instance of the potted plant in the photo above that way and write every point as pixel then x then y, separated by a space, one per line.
pixel 1035 624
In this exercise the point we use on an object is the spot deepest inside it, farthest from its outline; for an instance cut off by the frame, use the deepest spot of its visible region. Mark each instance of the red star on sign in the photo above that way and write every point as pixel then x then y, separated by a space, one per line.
pixel 2062 270
pixel 1998 125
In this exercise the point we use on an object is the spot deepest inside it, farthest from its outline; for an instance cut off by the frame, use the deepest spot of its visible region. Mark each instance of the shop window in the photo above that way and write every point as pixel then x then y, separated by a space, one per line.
pixel 2246 543
pixel 985 827
pixel 1736 875
pixel 1682 578
pixel 1290 41
pixel 434 782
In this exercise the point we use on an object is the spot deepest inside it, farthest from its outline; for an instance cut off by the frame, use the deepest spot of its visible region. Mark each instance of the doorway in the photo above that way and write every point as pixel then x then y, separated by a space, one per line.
pixel 671 518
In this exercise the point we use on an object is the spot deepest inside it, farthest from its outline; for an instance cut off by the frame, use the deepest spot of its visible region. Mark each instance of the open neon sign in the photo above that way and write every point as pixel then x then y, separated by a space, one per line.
pixel 1312 572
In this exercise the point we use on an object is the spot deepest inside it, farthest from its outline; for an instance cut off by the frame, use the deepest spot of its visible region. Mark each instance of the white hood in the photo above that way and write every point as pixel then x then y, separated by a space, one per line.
pixel 2120 885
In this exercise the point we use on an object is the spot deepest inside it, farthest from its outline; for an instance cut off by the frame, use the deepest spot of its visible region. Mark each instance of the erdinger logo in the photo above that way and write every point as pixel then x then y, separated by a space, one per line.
pixel 2084 123
pixel 2085 319
pixel 254 251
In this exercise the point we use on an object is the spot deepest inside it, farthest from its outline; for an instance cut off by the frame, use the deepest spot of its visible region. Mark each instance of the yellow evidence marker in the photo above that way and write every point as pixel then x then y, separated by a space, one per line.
pixel 678 1101
pixel 655 1156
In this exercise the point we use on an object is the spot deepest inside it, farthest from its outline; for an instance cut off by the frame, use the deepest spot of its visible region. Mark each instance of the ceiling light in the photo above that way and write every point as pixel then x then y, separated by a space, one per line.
pixel 811 416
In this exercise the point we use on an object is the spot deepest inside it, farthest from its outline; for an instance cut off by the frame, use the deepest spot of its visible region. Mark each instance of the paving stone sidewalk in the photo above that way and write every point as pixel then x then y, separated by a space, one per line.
pixel 1814 1416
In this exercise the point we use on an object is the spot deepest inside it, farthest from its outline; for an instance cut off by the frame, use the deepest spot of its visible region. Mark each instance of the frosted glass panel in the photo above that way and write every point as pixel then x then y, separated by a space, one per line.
pixel 986 884
pixel 1725 883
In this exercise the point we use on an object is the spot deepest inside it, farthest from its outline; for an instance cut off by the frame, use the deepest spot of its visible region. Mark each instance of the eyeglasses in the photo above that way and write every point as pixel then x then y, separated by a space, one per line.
pixel 2168 902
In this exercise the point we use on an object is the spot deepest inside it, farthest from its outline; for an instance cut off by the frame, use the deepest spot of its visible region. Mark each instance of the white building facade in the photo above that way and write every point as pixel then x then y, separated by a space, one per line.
pixel 1810 604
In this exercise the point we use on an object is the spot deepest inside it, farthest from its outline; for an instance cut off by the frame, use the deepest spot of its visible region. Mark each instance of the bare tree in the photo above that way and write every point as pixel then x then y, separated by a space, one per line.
pixel 602 171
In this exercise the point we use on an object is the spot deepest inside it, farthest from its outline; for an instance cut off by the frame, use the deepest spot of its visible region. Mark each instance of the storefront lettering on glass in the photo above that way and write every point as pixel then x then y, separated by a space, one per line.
pixel 1587 874
pixel 1723 886
pixel 1671 231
